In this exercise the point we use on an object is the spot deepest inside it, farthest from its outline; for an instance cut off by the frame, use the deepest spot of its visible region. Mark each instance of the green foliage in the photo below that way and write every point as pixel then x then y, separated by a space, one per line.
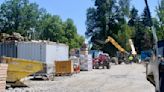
pixel 159 24
pixel 114 18
pixel 142 34
pixel 28 19
pixel 70 32
pixel 18 16
pixel 108 18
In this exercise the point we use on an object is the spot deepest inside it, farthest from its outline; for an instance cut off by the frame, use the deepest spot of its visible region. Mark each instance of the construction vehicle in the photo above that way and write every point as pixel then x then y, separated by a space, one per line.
pixel 122 54
pixel 20 68
pixel 103 60
pixel 132 47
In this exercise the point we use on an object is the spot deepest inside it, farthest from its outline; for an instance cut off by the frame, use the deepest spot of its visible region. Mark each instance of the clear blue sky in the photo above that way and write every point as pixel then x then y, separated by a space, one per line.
pixel 76 9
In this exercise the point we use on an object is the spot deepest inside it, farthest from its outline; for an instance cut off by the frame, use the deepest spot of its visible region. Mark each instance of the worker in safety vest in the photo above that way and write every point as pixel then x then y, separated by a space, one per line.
pixel 130 58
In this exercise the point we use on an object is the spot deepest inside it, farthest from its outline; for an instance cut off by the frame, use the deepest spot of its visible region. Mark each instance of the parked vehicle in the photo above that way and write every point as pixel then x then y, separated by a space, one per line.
pixel 103 60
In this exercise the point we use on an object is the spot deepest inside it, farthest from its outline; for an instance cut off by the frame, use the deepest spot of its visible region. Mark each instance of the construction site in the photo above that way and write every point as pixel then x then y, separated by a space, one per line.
pixel 118 49
pixel 44 66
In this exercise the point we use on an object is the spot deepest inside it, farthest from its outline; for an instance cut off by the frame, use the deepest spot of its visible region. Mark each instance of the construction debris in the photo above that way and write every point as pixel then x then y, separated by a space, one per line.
pixel 13 37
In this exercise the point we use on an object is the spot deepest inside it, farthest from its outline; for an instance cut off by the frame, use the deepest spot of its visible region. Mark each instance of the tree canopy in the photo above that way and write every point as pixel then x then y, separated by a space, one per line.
pixel 115 18
pixel 31 21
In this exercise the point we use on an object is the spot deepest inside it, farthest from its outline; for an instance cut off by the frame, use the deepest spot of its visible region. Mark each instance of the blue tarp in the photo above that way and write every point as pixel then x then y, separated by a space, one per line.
pixel 145 54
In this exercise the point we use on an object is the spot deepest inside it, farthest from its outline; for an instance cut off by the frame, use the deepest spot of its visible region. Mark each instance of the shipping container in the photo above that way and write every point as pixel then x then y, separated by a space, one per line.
pixel 62 52
pixel 8 49
pixel 45 52
pixel 31 51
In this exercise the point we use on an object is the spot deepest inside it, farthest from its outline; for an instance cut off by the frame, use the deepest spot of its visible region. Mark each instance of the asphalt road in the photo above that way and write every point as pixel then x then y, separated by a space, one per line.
pixel 120 78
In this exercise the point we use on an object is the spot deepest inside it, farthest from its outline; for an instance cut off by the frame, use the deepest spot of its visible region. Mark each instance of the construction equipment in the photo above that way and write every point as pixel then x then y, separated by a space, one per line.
pixel 122 54
pixel 103 60
pixel 132 47
pixel 110 39
pixel 20 68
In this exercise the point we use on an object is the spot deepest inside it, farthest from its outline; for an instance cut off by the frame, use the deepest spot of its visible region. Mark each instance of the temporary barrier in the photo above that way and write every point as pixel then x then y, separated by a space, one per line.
pixel 20 68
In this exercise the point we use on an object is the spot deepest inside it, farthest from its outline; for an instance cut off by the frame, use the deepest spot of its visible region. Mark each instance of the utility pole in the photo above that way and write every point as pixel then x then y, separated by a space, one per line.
pixel 155 46
pixel 154 59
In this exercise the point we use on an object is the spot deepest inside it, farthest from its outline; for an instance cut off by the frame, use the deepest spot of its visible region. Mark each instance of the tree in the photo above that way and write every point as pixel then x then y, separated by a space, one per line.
pixel 133 17
pixel 141 25
pixel 74 40
pixel 108 18
pixel 91 21
pixel 27 18
pixel 51 27
pixel 19 16
pixel 54 29
pixel 159 24
pixel 125 7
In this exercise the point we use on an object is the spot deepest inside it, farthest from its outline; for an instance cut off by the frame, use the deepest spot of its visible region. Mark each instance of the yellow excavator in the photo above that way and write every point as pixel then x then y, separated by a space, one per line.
pixel 110 39
pixel 122 54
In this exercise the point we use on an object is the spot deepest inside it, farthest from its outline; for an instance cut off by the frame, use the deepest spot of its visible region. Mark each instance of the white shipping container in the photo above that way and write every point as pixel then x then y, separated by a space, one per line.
pixel 62 52
pixel 46 52
pixel 86 62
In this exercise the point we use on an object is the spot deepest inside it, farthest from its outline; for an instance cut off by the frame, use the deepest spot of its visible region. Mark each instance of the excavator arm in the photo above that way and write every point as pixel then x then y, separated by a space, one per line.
pixel 110 39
